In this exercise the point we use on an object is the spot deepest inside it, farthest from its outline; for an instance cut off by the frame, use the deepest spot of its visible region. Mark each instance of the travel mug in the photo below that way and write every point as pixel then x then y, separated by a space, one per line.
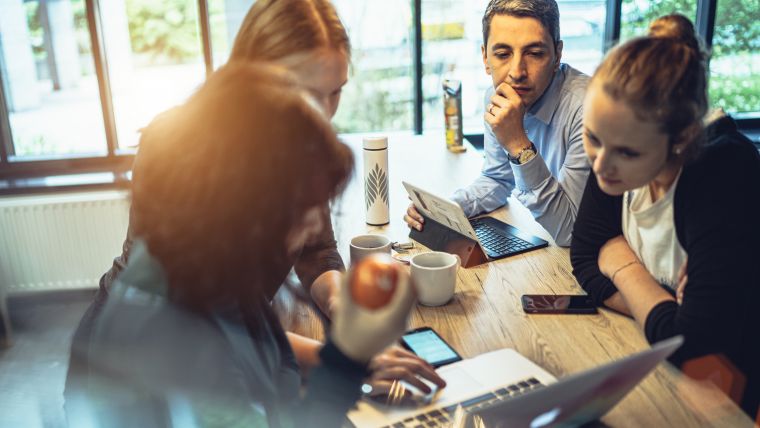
pixel 376 180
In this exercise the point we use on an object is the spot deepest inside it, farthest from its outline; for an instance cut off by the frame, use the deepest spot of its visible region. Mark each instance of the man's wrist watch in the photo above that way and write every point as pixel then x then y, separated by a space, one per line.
pixel 526 154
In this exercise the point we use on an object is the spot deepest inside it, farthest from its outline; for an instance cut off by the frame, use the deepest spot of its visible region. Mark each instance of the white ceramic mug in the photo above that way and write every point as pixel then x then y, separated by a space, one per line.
pixel 435 276
pixel 364 245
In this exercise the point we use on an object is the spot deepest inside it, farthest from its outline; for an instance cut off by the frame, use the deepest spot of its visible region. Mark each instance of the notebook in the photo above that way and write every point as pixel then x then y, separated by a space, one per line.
pixel 496 238
pixel 503 388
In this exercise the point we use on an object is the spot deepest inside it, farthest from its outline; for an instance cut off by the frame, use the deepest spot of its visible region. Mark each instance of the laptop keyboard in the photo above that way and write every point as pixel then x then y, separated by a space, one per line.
pixel 497 243
pixel 444 416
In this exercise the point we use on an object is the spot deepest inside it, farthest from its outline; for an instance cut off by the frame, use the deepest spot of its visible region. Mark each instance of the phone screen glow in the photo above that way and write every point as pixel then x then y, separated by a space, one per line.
pixel 428 346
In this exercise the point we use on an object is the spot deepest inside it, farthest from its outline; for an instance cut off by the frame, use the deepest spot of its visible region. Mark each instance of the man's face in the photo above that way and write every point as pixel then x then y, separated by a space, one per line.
pixel 520 52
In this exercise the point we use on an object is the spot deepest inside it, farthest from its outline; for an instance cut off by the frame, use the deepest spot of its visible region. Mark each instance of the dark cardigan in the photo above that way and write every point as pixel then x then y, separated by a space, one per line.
pixel 717 221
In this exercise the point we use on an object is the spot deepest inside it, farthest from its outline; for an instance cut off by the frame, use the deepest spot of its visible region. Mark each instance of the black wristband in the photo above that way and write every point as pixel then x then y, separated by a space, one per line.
pixel 334 358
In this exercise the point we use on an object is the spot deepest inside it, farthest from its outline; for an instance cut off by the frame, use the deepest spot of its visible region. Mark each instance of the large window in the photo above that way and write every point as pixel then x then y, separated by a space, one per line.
pixel 379 94
pixel 735 62
pixel 154 59
pixel 225 18
pixel 79 78
pixel 49 83
pixel 734 47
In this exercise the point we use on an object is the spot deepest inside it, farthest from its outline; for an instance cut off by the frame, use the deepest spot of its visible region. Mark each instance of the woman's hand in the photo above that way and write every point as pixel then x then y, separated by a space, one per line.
pixel 616 255
pixel 396 364
pixel 360 332
pixel 683 278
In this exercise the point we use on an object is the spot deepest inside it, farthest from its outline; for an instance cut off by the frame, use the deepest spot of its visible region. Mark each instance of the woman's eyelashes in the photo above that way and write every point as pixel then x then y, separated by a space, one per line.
pixel 628 153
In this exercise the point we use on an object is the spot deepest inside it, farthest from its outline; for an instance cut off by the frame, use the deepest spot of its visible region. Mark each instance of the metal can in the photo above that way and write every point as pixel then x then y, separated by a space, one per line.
pixel 452 113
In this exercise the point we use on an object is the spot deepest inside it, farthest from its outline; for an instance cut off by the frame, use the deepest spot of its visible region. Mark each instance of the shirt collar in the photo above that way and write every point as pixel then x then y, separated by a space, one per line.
pixel 544 108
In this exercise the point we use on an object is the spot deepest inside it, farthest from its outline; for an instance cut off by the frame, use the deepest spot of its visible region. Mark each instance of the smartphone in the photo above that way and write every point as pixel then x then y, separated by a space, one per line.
pixel 429 346
pixel 557 304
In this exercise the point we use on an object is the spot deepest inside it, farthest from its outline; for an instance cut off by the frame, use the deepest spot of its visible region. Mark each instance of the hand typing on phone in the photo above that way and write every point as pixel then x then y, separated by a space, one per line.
pixel 396 364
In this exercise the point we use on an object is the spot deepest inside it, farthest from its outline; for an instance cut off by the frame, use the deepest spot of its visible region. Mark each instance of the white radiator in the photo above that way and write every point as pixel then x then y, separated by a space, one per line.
pixel 60 241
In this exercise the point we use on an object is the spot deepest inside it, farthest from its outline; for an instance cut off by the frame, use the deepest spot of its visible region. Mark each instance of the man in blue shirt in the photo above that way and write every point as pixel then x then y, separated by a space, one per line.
pixel 533 115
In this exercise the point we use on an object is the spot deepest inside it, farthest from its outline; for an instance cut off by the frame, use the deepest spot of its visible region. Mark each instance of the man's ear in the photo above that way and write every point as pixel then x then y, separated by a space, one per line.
pixel 558 51
pixel 485 58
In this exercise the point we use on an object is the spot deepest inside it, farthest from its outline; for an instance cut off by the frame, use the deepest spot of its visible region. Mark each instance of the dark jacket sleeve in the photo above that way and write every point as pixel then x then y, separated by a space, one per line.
pixel 319 255
pixel 120 262
pixel 716 213
pixel 599 220
pixel 334 387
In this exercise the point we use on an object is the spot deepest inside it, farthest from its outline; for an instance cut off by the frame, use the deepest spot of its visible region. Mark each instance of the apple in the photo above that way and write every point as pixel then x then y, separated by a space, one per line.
pixel 373 280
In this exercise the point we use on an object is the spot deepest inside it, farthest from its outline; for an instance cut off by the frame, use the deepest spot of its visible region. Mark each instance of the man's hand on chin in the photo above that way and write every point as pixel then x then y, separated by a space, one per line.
pixel 505 116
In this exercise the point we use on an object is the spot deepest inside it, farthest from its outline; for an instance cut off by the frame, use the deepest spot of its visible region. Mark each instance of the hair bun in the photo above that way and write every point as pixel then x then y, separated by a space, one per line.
pixel 678 27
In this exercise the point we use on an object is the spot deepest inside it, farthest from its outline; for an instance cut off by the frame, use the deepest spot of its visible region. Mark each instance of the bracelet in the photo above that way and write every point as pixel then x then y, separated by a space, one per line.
pixel 632 262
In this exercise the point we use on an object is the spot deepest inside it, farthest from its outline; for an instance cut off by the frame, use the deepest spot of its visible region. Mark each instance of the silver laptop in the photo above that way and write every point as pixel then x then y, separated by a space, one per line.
pixel 496 238
pixel 505 389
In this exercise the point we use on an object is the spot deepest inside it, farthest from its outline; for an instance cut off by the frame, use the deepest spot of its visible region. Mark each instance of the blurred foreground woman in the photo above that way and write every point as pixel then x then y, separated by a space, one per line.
pixel 226 188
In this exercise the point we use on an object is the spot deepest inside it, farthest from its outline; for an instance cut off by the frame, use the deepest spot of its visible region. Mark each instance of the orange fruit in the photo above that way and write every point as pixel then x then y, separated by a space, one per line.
pixel 373 281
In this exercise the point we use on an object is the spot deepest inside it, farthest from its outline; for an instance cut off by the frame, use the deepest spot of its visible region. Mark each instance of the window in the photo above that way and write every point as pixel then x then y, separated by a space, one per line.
pixel 154 56
pixel 225 18
pixel 735 61
pixel 379 94
pixel 79 78
pixel 637 14
pixel 452 37
pixel 49 83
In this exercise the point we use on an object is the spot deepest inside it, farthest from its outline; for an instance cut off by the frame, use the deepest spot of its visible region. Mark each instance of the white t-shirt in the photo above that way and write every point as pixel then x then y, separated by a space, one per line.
pixel 650 231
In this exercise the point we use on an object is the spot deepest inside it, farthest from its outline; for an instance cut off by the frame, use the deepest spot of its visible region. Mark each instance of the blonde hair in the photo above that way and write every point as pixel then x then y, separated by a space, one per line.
pixel 275 29
pixel 661 77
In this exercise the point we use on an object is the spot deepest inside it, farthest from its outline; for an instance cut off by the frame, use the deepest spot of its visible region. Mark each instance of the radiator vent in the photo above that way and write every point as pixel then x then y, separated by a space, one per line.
pixel 61 241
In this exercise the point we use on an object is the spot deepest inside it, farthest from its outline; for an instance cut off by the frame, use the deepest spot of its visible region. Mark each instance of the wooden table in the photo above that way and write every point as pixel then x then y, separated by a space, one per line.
pixel 486 313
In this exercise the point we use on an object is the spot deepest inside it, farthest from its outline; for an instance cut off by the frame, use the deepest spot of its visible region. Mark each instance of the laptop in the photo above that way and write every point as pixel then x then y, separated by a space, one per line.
pixel 496 238
pixel 505 389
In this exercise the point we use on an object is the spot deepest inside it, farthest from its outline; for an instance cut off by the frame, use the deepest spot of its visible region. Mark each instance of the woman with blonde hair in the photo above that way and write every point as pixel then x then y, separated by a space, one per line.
pixel 307 38
pixel 665 188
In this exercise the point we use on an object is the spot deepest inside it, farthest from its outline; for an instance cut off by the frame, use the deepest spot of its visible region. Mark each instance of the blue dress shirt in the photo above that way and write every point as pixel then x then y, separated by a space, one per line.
pixel 551 184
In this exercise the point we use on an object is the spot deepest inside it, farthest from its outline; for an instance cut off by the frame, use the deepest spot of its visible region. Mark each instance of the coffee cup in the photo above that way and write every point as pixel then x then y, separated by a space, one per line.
pixel 364 245
pixel 435 276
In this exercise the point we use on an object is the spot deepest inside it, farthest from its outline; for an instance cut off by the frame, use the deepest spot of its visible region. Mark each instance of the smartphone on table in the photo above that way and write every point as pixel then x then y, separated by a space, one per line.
pixel 428 345
pixel 557 304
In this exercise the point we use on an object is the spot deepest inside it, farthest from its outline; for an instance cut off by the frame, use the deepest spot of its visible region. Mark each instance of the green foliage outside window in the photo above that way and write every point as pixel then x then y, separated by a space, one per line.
pixel 735 56
pixel 735 84
pixel 164 30
pixel 369 104
pixel 636 15
pixel 168 30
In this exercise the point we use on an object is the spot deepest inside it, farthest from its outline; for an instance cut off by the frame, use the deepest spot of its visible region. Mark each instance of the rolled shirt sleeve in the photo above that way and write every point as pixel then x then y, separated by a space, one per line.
pixel 491 190
pixel 319 255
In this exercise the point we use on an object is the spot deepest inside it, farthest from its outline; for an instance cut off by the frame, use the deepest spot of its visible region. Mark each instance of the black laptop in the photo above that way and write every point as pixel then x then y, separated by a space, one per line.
pixel 445 223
